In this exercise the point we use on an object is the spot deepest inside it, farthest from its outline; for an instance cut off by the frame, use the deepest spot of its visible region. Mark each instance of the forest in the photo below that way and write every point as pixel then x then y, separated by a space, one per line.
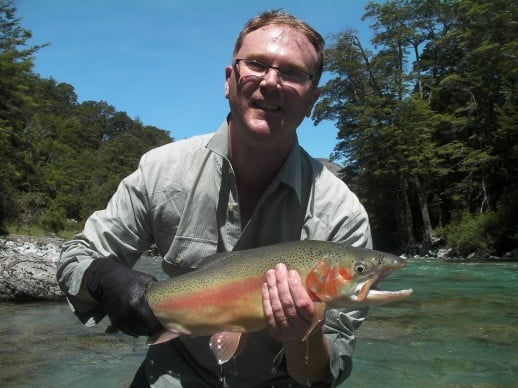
pixel 61 159
pixel 426 118
pixel 427 122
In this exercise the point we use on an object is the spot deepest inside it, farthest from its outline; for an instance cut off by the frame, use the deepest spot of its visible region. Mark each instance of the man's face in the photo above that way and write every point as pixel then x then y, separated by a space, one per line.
pixel 265 107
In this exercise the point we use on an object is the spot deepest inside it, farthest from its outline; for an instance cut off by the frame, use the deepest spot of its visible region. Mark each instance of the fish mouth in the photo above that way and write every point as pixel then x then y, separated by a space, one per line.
pixel 375 296
pixel 369 293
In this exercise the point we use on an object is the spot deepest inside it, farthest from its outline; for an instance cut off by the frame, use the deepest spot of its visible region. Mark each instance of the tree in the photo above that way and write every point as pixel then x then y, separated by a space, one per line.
pixel 60 158
pixel 16 61
pixel 427 121
pixel 382 126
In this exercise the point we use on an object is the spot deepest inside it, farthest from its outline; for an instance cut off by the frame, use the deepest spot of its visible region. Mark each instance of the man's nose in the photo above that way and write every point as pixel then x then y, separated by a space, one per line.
pixel 272 78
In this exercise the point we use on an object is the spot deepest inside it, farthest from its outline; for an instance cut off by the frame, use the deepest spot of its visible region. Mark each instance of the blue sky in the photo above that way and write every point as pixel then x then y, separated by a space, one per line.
pixel 163 61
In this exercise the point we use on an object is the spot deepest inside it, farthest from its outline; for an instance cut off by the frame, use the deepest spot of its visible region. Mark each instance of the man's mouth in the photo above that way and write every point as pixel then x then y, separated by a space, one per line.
pixel 266 106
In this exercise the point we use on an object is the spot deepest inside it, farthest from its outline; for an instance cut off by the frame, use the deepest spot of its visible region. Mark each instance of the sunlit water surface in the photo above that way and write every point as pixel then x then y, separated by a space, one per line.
pixel 459 329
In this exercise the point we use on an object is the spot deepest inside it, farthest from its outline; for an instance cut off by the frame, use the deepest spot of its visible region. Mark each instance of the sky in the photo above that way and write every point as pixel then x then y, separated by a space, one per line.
pixel 163 61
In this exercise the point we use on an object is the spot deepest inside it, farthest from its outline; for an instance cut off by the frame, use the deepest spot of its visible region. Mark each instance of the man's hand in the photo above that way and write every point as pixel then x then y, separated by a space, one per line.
pixel 121 292
pixel 292 315
pixel 288 308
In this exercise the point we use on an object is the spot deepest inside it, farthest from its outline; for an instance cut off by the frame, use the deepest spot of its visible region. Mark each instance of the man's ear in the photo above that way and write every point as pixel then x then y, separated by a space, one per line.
pixel 228 74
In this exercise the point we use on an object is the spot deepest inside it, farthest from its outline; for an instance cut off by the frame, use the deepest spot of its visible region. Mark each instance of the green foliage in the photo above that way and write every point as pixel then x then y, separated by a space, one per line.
pixel 506 228
pixel 483 232
pixel 427 118
pixel 469 232
pixel 30 208
pixel 54 219
pixel 60 159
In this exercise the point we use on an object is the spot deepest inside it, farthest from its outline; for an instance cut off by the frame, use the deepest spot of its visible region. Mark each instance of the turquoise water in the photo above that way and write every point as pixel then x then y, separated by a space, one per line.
pixel 459 329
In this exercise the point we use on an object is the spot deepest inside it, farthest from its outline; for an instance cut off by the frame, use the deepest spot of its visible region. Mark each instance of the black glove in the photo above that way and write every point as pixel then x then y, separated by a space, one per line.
pixel 121 292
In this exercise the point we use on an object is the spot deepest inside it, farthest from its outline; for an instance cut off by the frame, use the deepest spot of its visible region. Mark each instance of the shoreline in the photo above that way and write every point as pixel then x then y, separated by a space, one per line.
pixel 32 239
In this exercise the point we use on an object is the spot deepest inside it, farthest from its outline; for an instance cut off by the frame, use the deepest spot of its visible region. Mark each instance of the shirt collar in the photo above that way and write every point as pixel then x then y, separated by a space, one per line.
pixel 219 142
pixel 290 173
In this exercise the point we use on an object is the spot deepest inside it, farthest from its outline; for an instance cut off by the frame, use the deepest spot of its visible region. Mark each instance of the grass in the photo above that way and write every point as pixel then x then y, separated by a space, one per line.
pixel 38 231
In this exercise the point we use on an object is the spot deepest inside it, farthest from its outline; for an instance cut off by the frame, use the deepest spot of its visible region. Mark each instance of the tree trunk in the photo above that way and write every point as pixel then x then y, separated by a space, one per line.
pixel 404 213
pixel 425 215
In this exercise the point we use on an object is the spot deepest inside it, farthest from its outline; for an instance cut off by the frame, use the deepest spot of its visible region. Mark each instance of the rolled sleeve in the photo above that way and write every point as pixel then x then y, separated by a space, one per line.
pixel 119 232
pixel 339 330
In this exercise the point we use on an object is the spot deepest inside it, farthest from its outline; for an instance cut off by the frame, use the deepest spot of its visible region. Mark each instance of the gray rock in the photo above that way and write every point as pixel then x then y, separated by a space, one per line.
pixel 28 270
pixel 443 253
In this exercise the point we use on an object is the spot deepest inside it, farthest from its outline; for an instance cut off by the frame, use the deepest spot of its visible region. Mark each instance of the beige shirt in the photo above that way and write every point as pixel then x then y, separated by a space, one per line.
pixel 183 197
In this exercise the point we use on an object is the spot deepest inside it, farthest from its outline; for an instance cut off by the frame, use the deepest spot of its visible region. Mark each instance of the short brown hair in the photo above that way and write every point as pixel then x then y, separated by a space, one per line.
pixel 277 17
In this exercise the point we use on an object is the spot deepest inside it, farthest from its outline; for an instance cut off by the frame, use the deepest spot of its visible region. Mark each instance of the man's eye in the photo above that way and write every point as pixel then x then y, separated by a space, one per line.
pixel 257 66
pixel 292 75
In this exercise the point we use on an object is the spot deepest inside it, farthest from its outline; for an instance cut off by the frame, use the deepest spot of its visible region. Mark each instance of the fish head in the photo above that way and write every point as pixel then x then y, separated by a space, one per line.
pixel 351 280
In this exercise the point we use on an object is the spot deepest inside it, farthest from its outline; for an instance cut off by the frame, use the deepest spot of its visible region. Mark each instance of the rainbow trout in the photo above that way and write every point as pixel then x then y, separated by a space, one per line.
pixel 222 298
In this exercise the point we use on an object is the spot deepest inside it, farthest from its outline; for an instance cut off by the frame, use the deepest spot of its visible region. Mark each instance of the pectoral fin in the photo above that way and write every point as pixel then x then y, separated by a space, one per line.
pixel 161 337
pixel 226 345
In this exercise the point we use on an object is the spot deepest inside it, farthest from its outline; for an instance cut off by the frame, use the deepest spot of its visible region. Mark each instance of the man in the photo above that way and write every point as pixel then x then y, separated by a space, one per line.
pixel 250 184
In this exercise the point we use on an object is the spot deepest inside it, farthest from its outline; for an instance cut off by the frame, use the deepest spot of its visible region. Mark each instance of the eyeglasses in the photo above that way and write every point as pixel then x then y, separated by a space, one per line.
pixel 290 77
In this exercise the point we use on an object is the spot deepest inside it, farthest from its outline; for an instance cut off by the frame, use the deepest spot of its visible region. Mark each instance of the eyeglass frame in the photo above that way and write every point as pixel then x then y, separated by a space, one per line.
pixel 279 70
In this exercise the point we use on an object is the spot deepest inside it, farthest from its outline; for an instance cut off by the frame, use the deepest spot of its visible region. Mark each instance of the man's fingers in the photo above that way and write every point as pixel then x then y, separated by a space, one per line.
pixel 287 304
pixel 267 306
pixel 276 281
pixel 288 308
pixel 303 304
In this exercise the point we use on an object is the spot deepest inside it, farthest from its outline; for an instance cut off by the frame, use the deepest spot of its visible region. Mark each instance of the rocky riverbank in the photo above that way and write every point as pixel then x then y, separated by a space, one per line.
pixel 449 254
pixel 28 268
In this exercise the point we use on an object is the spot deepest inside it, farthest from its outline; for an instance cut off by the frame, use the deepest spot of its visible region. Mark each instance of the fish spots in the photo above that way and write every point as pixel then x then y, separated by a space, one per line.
pixel 226 300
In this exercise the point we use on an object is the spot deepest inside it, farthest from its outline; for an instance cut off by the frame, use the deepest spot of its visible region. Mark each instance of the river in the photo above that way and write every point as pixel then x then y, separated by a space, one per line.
pixel 460 328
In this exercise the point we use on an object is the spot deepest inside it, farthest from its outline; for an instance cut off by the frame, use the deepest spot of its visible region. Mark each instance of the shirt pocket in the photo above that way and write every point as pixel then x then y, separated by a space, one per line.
pixel 186 254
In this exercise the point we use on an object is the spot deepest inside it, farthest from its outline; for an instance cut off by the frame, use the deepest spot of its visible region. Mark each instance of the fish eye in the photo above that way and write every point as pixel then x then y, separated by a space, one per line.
pixel 360 268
